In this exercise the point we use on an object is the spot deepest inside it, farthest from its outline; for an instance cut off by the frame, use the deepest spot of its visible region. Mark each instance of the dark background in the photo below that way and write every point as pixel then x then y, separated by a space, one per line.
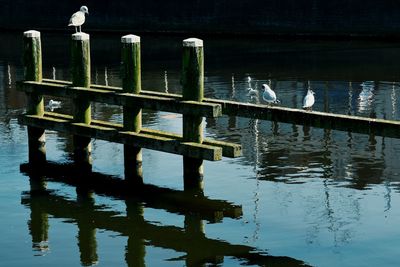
pixel 321 18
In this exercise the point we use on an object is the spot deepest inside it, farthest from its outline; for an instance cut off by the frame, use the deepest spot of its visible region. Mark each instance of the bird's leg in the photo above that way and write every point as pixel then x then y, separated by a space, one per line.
pixel 80 29
pixel 76 29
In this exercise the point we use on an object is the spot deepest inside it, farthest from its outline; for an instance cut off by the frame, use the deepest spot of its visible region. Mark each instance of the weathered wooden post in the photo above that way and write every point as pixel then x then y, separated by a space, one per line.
pixel 33 72
pixel 80 67
pixel 132 116
pixel 193 90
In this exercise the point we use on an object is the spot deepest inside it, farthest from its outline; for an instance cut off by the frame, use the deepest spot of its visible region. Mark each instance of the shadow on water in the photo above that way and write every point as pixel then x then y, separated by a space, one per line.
pixel 191 239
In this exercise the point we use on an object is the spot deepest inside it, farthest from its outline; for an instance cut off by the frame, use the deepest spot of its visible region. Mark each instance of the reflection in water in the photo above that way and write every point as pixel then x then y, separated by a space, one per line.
pixel 233 87
pixel 38 223
pixel 105 76
pixel 135 249
pixel 393 99
pixel 252 92
pixel 365 98
pixel 166 81
pixel 191 239
pixel 350 101
pixel 9 75
pixel 255 124
pixel 86 230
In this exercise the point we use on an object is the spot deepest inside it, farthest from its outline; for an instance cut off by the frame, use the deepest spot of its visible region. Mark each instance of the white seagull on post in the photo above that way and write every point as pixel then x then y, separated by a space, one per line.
pixel 269 95
pixel 309 99
pixel 78 18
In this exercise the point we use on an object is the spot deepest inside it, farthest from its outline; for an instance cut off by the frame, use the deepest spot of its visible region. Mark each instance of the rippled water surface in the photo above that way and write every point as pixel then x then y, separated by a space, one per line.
pixel 308 196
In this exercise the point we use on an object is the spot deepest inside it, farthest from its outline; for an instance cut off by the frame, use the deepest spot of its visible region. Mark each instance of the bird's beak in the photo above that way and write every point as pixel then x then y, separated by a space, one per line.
pixel 87 12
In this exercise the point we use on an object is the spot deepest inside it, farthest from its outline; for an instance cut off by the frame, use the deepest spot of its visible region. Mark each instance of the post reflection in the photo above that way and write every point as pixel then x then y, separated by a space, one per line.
pixel 191 240
pixel 135 249
pixel 39 220
pixel 86 230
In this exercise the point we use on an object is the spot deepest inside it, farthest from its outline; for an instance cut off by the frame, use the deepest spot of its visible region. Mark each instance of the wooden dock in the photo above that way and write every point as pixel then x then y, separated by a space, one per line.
pixel 192 104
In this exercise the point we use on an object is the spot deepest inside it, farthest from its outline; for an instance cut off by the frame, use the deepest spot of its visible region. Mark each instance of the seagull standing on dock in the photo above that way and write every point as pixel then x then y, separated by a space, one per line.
pixel 309 99
pixel 269 95
pixel 78 18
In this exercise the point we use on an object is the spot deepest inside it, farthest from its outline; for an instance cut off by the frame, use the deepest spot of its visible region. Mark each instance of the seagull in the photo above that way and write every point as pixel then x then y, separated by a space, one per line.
pixel 269 95
pixel 53 104
pixel 78 18
pixel 309 99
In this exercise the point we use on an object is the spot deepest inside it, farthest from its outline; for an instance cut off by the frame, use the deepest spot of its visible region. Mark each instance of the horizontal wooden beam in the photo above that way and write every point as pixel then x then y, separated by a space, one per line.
pixel 356 124
pixel 340 122
pixel 230 150
pixel 108 133
pixel 117 97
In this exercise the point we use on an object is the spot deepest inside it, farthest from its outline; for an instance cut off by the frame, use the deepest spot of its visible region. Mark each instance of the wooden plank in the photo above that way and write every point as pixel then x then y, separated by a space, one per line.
pixel 230 150
pixel 318 119
pixel 356 124
pixel 144 140
pixel 112 97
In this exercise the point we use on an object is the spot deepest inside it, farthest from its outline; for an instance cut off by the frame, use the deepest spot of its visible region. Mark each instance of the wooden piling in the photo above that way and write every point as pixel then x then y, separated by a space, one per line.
pixel 33 72
pixel 132 116
pixel 193 90
pixel 80 68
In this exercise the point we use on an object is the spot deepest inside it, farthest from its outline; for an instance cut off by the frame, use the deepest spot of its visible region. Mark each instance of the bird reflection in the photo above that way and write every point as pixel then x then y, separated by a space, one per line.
pixel 350 101
pixel 252 92
pixel 166 81
pixel 393 99
pixel 366 95
pixel 106 76
pixel 9 74
pixel 53 73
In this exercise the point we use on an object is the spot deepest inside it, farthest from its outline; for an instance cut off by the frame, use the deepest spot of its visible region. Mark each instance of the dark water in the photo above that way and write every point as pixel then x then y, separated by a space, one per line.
pixel 309 196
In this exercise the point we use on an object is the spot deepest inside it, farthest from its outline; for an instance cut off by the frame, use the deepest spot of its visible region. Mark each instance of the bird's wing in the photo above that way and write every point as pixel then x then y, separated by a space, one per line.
pixel 308 101
pixel 272 95
pixel 77 19
pixel 269 96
